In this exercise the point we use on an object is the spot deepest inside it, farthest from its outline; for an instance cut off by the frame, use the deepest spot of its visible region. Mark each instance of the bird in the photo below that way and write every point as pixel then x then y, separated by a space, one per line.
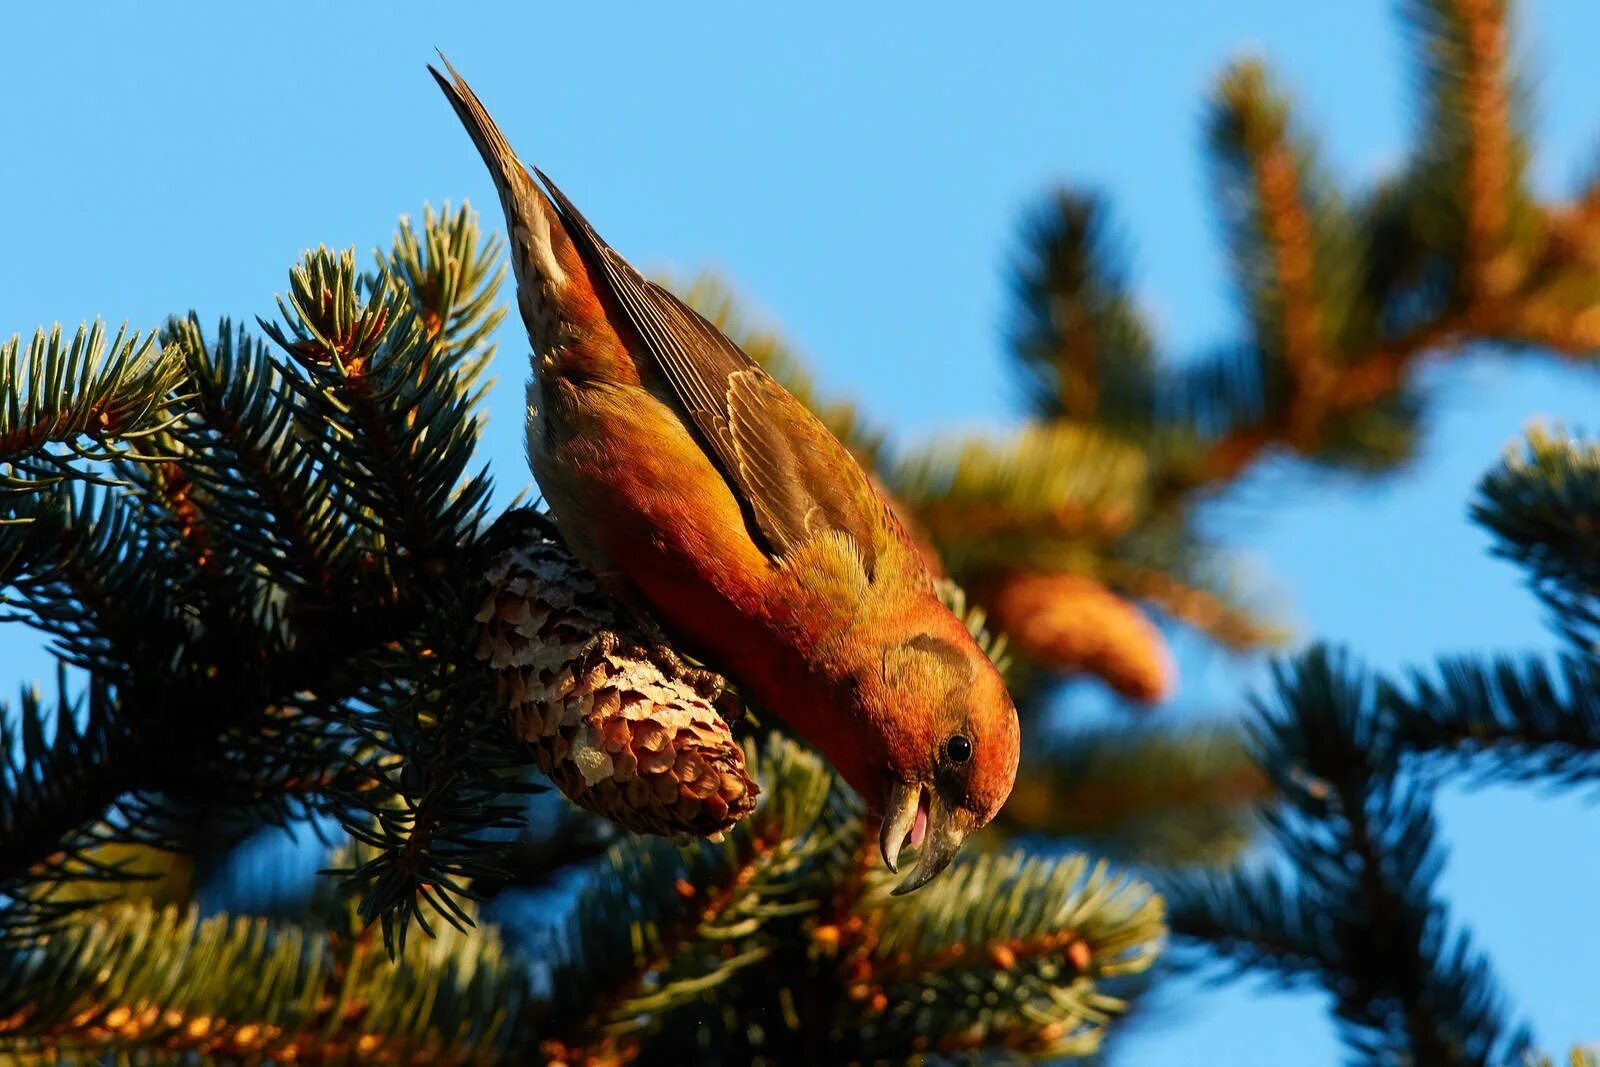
pixel 689 481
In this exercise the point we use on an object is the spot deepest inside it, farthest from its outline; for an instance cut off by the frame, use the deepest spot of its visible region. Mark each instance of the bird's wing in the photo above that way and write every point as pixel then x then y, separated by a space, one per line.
pixel 793 477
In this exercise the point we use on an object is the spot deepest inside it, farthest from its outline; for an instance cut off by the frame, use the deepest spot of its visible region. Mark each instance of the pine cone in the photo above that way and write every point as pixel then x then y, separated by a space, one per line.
pixel 1073 623
pixel 616 720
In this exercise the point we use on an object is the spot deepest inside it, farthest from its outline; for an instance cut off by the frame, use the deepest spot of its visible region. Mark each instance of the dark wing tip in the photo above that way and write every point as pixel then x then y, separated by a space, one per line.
pixel 566 206
pixel 451 85
pixel 578 227
pixel 454 86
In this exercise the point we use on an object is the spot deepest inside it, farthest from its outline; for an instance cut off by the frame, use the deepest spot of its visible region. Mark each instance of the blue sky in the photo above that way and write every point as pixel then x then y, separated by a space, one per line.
pixel 859 173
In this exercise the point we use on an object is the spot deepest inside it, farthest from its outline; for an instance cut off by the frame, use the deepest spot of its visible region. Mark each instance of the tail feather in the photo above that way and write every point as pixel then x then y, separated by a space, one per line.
pixel 530 217
pixel 485 132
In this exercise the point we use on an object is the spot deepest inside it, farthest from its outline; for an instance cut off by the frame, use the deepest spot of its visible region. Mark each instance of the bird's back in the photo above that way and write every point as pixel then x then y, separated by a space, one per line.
pixel 672 460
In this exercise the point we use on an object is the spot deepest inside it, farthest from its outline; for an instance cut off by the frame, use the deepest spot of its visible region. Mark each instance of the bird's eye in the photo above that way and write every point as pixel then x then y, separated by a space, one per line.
pixel 958 748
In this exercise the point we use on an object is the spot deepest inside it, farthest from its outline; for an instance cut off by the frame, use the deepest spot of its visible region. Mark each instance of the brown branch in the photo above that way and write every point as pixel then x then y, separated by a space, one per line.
pixel 1502 299
pixel 1491 270
pixel 1288 230
pixel 1078 368
pixel 1198 608
pixel 176 489
pixel 1352 387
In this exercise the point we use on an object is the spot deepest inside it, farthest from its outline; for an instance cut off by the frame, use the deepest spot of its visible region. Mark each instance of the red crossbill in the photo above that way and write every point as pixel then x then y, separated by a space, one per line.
pixel 687 478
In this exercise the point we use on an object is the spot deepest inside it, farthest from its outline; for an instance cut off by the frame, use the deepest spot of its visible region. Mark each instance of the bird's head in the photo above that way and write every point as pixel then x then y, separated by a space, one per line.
pixel 950 742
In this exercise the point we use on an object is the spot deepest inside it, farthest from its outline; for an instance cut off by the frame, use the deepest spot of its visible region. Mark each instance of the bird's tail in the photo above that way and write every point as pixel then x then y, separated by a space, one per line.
pixel 531 219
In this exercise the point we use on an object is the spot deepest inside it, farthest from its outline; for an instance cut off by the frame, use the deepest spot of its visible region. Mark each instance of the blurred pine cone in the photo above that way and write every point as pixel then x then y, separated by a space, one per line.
pixel 1069 622
pixel 616 720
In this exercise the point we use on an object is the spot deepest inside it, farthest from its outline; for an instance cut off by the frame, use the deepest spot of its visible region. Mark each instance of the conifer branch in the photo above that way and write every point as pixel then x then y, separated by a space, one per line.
pixel 1214 614
pixel 453 274
pixel 1517 718
pixel 260 484
pixel 979 497
pixel 1542 504
pixel 1578 1057
pixel 1251 919
pixel 262 527
pixel 1493 171
pixel 1273 235
pixel 1362 914
pixel 788 922
pixel 1368 380
pixel 1078 335
pixel 1047 936
pixel 659 926
pixel 139 981
pixel 433 784
pixel 1473 151
pixel 55 793
pixel 87 396
pixel 1453 253
pixel 1172 797
pixel 87 574
pixel 396 418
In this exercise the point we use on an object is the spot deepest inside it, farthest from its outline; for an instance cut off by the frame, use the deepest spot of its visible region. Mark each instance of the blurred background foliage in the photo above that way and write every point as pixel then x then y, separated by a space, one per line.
pixel 258 565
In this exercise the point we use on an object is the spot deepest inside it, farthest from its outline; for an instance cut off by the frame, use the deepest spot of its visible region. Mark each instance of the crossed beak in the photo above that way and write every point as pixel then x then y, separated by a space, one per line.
pixel 916 812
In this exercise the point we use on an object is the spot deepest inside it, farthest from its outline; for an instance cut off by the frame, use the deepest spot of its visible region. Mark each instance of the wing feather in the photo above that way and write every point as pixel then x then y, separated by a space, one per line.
pixel 794 478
